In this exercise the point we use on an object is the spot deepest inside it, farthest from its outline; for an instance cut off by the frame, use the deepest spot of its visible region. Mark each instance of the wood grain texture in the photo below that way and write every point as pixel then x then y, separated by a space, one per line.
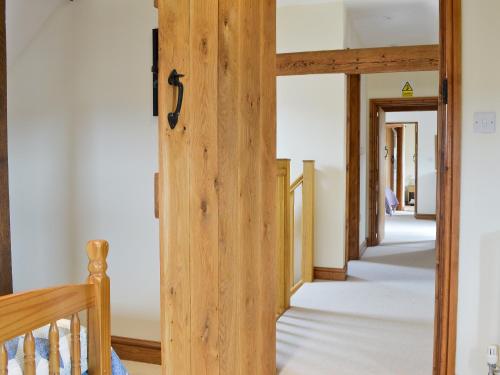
pixel 29 354
pixel 54 363
pixel 331 274
pixel 137 350
pixel 308 215
pixel 449 176
pixel 203 174
pixel 5 248
pixel 174 198
pixel 25 312
pixel 76 363
pixel 353 187
pixel 360 61
pixel 217 187
pixel 99 315
pixel 387 105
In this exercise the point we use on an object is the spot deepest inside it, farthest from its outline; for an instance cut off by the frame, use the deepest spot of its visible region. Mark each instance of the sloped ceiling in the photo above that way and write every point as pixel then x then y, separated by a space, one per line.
pixel 389 22
pixel 24 19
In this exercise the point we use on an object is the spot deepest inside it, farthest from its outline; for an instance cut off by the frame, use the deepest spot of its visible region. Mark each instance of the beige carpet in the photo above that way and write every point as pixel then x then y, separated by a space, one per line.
pixel 379 322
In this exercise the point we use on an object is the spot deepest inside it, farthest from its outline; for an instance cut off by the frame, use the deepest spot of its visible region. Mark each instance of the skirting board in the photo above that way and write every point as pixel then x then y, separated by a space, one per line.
pixel 425 216
pixel 331 274
pixel 137 350
pixel 363 247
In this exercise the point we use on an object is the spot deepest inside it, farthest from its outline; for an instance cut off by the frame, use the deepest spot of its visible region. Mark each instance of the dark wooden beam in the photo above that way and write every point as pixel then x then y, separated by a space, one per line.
pixel 353 165
pixel 360 61
pixel 5 255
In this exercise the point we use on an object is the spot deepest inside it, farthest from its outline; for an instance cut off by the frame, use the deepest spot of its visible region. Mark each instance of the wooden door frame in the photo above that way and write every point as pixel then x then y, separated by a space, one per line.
pixel 387 105
pixel 5 245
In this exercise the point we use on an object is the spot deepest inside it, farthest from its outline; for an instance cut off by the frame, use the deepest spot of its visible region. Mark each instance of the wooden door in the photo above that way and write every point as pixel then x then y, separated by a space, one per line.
pixel 217 186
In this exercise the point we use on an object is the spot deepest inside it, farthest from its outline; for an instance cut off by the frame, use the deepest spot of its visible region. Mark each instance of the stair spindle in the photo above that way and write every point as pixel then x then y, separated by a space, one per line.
pixel 4 360
pixel 54 363
pixel 75 346
pixel 29 354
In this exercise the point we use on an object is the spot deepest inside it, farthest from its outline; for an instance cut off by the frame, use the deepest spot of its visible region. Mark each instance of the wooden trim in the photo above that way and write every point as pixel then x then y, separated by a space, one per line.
pixel 137 350
pixel 425 216
pixel 360 61
pixel 5 245
pixel 353 144
pixel 332 274
pixel 388 105
pixel 362 248
pixel 449 179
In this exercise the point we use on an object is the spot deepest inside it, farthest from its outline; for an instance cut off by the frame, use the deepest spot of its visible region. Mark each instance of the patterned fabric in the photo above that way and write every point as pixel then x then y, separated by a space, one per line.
pixel 15 352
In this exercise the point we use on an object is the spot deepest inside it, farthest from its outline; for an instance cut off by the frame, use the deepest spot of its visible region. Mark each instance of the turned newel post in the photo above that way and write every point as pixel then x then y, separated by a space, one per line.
pixel 99 319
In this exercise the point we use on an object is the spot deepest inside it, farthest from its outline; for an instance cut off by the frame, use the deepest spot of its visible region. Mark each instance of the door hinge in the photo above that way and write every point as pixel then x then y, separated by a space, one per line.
pixel 445 91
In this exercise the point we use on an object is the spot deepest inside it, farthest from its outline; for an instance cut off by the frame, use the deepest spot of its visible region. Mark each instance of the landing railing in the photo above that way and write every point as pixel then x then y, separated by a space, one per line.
pixel 289 280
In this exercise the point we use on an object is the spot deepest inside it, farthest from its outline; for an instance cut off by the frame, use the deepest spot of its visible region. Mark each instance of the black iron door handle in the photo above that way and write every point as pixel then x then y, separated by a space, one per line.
pixel 175 80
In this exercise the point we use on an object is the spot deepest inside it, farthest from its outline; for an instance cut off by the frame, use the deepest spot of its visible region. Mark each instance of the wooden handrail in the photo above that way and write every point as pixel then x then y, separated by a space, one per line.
pixel 24 312
pixel 299 181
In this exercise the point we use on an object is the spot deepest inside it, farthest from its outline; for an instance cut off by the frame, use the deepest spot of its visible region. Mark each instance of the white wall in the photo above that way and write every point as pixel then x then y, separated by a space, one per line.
pixel 426 174
pixel 387 85
pixel 311 120
pixel 479 280
pixel 409 153
pixel 83 151
pixel 41 157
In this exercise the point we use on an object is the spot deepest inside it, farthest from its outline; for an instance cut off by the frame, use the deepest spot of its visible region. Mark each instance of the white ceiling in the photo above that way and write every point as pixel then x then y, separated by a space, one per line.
pixel 389 22
pixel 24 19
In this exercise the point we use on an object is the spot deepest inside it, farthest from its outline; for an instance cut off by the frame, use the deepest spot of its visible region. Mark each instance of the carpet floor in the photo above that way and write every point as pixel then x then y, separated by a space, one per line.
pixel 378 322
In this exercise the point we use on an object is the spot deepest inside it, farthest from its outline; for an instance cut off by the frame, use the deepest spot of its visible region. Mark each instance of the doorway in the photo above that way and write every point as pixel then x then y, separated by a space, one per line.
pixel 376 194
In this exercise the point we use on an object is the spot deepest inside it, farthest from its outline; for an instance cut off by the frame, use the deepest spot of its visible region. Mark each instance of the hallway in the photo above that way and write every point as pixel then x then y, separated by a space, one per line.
pixel 378 322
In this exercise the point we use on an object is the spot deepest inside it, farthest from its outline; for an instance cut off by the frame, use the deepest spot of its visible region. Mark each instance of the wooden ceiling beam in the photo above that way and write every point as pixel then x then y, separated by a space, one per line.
pixel 360 61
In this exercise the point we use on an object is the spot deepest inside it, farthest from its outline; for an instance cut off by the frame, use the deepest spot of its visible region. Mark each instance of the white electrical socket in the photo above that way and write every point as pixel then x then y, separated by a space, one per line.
pixel 485 122
pixel 492 355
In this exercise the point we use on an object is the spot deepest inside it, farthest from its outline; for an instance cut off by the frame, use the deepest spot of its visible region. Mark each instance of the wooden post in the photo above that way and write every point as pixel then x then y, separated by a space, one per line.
pixel 54 363
pixel 308 212
pixel 283 249
pixel 217 187
pixel 5 251
pixel 4 360
pixel 99 326
pixel 76 366
pixel 29 354
pixel 353 189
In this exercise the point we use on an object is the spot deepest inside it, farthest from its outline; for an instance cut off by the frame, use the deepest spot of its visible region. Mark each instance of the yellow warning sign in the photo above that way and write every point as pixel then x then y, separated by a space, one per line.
pixel 407 90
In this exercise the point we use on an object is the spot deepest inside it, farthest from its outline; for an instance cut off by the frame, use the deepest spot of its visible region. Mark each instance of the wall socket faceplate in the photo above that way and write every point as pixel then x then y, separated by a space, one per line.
pixel 485 122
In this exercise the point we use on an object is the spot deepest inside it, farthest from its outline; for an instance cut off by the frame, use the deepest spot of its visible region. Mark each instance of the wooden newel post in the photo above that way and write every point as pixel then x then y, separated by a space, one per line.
pixel 99 318
pixel 308 204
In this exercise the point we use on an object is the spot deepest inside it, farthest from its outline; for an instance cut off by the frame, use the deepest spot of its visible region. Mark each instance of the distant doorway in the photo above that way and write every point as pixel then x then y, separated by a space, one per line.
pixel 376 196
